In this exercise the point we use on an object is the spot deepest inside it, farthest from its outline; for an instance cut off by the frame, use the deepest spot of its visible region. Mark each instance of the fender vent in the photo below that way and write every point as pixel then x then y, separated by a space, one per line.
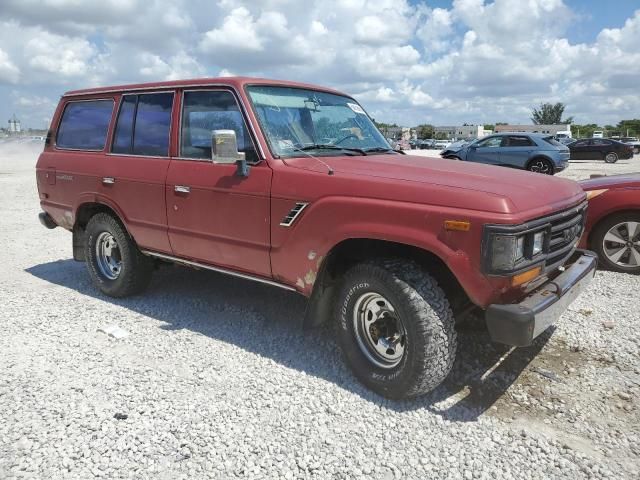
pixel 293 214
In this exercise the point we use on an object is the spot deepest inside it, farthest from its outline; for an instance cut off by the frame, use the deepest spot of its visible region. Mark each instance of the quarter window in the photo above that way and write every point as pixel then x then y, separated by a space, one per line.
pixel 144 124
pixel 206 111
pixel 84 125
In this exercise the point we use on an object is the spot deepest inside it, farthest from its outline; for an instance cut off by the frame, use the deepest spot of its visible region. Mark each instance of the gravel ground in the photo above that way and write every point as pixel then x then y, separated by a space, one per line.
pixel 216 380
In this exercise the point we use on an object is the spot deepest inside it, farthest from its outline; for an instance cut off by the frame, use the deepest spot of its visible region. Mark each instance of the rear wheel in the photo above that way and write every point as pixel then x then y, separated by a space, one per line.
pixel 616 240
pixel 115 264
pixel 395 328
pixel 541 165
pixel 611 157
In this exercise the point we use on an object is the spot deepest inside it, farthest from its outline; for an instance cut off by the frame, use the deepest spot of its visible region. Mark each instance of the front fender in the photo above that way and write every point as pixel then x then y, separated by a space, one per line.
pixel 298 252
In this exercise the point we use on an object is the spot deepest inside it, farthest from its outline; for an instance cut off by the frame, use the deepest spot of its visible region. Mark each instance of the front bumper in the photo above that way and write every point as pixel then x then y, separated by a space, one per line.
pixel 520 323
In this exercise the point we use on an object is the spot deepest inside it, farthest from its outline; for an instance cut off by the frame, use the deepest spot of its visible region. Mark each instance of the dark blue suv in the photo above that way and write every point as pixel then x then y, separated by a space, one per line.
pixel 535 152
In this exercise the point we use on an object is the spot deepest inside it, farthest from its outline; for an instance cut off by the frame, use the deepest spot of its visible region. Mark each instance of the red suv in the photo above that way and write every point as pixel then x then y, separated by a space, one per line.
pixel 292 185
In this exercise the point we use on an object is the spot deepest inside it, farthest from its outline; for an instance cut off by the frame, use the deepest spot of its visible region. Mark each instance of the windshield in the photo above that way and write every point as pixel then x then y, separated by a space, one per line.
pixel 296 120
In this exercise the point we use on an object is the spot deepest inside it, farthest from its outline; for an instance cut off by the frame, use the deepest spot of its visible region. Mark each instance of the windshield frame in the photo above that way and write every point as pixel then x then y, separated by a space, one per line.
pixel 300 153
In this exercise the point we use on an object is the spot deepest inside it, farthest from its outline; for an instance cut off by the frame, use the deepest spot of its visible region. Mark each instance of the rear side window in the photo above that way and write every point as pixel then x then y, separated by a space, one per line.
pixel 143 125
pixel 518 141
pixel 84 125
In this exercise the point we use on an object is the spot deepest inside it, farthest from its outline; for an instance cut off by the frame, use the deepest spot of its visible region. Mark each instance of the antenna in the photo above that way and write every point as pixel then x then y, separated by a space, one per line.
pixel 329 169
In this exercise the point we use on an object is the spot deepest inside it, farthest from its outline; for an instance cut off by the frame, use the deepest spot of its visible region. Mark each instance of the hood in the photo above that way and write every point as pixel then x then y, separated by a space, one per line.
pixel 462 184
pixel 613 181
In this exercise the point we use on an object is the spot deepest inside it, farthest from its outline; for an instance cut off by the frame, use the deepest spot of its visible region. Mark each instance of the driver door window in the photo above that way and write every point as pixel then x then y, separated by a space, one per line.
pixel 491 142
pixel 206 111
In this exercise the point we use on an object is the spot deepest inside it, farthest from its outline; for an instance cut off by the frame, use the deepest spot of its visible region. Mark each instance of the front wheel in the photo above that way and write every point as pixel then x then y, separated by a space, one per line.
pixel 611 157
pixel 616 240
pixel 395 328
pixel 541 165
pixel 115 264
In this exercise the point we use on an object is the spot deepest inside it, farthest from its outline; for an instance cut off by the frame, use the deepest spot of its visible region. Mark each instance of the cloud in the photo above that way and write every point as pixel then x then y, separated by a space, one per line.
pixel 9 73
pixel 477 61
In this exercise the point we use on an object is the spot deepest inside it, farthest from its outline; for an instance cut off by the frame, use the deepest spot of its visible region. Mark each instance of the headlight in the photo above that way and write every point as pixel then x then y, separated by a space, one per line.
pixel 538 243
pixel 506 251
pixel 511 251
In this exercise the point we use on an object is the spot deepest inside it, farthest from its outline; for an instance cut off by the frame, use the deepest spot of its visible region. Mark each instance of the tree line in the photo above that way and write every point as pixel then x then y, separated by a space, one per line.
pixel 544 114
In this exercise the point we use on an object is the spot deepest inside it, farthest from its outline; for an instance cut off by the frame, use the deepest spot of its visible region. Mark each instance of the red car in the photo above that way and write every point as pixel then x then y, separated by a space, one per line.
pixel 292 185
pixel 613 221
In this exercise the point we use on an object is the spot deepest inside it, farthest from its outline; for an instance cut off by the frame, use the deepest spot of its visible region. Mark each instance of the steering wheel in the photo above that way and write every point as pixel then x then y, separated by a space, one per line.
pixel 351 135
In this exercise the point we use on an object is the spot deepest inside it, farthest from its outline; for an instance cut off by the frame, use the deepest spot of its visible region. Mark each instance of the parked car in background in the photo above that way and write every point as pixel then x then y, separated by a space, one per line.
pixel 530 151
pixel 438 144
pixel 600 149
pixel 597 134
pixel 613 221
pixel 402 145
pixel 633 141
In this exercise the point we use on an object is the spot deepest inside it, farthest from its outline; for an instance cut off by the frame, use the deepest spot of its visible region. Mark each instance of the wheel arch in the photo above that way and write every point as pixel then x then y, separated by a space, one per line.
pixel 83 214
pixel 349 252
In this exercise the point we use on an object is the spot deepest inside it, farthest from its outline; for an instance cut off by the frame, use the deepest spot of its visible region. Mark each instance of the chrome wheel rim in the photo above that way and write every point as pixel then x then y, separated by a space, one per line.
pixel 108 256
pixel 621 244
pixel 611 157
pixel 379 330
pixel 540 166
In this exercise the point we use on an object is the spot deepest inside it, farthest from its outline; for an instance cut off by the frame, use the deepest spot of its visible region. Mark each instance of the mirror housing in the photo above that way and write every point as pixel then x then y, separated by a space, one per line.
pixel 224 150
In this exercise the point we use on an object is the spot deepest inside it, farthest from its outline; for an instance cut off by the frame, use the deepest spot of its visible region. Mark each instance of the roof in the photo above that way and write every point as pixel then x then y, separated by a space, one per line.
pixel 531 134
pixel 235 82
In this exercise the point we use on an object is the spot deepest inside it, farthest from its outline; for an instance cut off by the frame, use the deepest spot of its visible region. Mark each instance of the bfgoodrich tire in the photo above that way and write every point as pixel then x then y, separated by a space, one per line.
pixel 115 264
pixel 395 328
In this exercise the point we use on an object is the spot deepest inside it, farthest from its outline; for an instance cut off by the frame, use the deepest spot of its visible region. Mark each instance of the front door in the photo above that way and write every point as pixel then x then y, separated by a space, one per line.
pixel 485 151
pixel 580 150
pixel 214 216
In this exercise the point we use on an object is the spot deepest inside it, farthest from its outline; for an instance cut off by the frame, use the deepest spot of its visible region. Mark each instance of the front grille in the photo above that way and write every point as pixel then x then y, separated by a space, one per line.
pixel 566 229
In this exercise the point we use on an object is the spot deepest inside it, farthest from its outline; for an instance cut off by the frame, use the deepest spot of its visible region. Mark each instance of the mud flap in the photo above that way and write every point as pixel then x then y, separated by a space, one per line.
pixel 79 238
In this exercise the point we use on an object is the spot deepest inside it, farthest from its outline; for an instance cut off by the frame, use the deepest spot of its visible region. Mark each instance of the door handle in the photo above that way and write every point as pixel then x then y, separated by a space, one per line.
pixel 182 189
pixel 108 181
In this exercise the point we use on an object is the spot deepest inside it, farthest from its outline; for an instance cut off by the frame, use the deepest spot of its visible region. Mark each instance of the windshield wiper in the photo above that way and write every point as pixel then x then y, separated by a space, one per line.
pixel 379 149
pixel 320 146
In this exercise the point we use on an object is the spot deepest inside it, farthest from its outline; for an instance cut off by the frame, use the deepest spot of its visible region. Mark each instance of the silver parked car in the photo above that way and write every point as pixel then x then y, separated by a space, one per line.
pixel 530 151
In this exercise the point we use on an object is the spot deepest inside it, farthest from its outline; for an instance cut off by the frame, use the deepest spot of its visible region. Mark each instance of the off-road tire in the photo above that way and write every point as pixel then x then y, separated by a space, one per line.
pixel 597 237
pixel 136 269
pixel 430 346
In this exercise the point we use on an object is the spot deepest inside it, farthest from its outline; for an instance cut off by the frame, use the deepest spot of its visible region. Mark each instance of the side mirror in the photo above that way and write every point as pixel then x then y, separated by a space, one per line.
pixel 224 150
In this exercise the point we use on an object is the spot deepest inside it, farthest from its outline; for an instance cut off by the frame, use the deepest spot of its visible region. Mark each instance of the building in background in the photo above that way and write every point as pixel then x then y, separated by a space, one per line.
pixel 555 130
pixel 14 126
pixel 460 132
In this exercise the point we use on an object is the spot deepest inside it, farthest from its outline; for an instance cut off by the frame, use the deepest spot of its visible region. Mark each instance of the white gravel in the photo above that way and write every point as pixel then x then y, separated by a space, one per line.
pixel 216 380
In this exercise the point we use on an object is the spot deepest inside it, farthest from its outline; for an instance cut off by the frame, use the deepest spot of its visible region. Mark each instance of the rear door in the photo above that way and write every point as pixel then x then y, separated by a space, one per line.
pixel 486 151
pixel 516 150
pixel 216 217
pixel 136 168
pixel 599 147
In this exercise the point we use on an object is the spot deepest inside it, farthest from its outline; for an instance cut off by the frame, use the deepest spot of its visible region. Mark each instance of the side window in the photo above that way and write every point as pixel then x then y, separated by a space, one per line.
pixel 205 111
pixel 143 125
pixel 520 141
pixel 581 143
pixel 84 125
pixel 491 142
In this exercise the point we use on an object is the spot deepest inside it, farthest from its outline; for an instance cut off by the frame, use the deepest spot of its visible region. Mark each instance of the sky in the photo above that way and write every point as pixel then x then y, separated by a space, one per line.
pixel 407 61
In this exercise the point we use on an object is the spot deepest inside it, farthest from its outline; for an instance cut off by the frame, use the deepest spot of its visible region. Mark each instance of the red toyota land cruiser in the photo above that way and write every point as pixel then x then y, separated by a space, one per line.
pixel 292 185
